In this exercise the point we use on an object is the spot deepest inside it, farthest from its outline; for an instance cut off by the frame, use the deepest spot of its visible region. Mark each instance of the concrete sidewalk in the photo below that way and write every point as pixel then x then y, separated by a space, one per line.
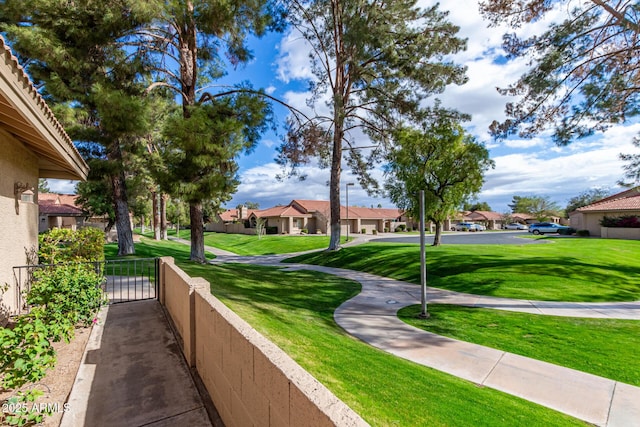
pixel 133 373
pixel 371 317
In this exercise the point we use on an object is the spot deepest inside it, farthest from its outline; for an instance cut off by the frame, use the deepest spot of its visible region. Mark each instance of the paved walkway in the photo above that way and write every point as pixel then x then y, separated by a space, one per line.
pixel 133 374
pixel 371 317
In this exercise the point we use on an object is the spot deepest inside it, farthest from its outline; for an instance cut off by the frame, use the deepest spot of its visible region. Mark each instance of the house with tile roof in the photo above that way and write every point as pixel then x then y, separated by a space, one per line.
pixel 311 216
pixel 588 217
pixel 33 145
pixel 58 211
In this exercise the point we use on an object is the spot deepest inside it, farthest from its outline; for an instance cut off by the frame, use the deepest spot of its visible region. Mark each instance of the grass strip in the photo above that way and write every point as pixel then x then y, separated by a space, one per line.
pixel 604 347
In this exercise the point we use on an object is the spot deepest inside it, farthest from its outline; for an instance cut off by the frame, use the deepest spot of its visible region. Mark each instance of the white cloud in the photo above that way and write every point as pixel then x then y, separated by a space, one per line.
pixel 293 62
pixel 62 186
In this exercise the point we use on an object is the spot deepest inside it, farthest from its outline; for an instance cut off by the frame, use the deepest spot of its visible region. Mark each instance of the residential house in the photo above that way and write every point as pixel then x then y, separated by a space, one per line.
pixel 311 216
pixel 58 211
pixel 588 217
pixel 33 145
pixel 232 221
pixel 491 220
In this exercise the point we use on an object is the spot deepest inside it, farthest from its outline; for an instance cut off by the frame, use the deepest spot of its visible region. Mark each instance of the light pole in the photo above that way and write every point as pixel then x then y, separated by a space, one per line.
pixel 423 262
pixel 346 187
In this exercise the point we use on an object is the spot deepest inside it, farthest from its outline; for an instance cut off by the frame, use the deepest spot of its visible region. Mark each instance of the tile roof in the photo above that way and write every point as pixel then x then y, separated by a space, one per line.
pixel 281 211
pixel 628 200
pixel 484 215
pixel 58 204
pixel 233 215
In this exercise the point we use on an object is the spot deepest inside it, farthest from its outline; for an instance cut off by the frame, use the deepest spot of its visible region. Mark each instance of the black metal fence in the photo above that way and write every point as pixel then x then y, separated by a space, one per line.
pixel 124 280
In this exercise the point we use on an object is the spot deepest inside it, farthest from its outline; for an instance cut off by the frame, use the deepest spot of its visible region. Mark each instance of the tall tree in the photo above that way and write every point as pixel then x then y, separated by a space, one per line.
pixel 71 49
pixel 442 160
pixel 198 161
pixel 375 62
pixel 585 68
pixel 586 198
pixel 476 206
pixel 184 47
pixel 541 208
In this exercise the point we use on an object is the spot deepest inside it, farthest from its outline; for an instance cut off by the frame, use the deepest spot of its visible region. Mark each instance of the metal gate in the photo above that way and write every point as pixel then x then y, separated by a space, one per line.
pixel 125 280
pixel 131 279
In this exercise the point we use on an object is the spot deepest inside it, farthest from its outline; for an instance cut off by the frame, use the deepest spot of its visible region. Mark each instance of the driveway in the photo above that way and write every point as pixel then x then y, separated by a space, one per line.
pixel 467 238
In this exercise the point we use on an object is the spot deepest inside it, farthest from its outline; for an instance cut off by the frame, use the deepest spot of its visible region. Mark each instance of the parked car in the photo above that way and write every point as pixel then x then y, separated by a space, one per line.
pixel 468 226
pixel 550 227
pixel 515 226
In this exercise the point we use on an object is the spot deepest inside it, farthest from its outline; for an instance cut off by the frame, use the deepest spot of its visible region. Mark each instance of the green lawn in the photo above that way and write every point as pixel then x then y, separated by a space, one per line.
pixel 562 270
pixel 604 347
pixel 247 244
pixel 149 248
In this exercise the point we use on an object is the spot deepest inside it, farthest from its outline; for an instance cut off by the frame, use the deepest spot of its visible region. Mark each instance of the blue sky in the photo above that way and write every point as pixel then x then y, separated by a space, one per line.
pixel 532 167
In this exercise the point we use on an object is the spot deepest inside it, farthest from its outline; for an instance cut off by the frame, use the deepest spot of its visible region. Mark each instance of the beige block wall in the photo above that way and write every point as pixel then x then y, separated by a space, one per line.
pixel 18 232
pixel 620 233
pixel 250 380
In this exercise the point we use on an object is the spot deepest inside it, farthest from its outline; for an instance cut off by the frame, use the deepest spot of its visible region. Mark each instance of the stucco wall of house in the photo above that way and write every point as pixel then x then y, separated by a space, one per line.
pixel 18 231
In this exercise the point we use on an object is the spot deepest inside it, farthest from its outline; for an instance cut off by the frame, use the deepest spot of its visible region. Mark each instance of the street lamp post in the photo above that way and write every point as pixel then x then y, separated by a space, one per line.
pixel 346 187
pixel 423 262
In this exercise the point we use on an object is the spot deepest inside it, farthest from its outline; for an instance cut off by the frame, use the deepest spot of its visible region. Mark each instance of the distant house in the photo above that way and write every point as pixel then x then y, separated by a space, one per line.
pixel 588 217
pixel 58 211
pixel 313 216
pixel 491 220
pixel 33 145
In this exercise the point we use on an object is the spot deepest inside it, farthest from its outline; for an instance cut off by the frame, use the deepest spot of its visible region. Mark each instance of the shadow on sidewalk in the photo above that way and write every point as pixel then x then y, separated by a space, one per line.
pixel 134 374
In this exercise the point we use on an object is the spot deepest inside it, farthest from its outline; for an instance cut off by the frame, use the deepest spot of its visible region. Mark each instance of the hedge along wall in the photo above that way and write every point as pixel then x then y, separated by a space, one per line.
pixel 250 380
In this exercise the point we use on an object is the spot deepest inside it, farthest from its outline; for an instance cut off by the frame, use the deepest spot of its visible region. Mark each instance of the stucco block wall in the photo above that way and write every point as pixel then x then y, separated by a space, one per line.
pixel 620 233
pixel 250 380
pixel 18 231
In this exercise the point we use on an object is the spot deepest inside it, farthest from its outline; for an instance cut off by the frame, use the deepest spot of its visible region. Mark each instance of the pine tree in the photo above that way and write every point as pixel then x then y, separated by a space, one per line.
pixel 377 62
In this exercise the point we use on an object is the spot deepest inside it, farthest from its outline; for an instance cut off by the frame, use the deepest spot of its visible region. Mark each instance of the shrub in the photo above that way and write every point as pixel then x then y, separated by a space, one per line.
pixel 304 231
pixel 386 230
pixel 625 221
pixel 567 231
pixel 583 233
pixel 374 232
pixel 364 231
pixel 65 245
pixel 401 227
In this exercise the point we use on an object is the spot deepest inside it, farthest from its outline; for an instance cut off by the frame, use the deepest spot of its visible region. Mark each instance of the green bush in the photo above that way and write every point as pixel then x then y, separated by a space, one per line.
pixel 374 232
pixel 386 230
pixel 401 227
pixel 304 231
pixel 583 233
pixel 624 221
pixel 567 231
pixel 364 231
pixel 65 245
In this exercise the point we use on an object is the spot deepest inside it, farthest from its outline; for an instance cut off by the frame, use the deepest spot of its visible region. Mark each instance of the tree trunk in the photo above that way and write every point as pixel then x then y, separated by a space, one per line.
pixel 142 224
pixel 197 232
pixel 156 216
pixel 123 221
pixel 163 216
pixel 436 237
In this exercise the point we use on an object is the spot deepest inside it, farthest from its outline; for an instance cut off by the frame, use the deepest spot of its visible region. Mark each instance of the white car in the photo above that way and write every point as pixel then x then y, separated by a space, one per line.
pixel 515 226
pixel 468 226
